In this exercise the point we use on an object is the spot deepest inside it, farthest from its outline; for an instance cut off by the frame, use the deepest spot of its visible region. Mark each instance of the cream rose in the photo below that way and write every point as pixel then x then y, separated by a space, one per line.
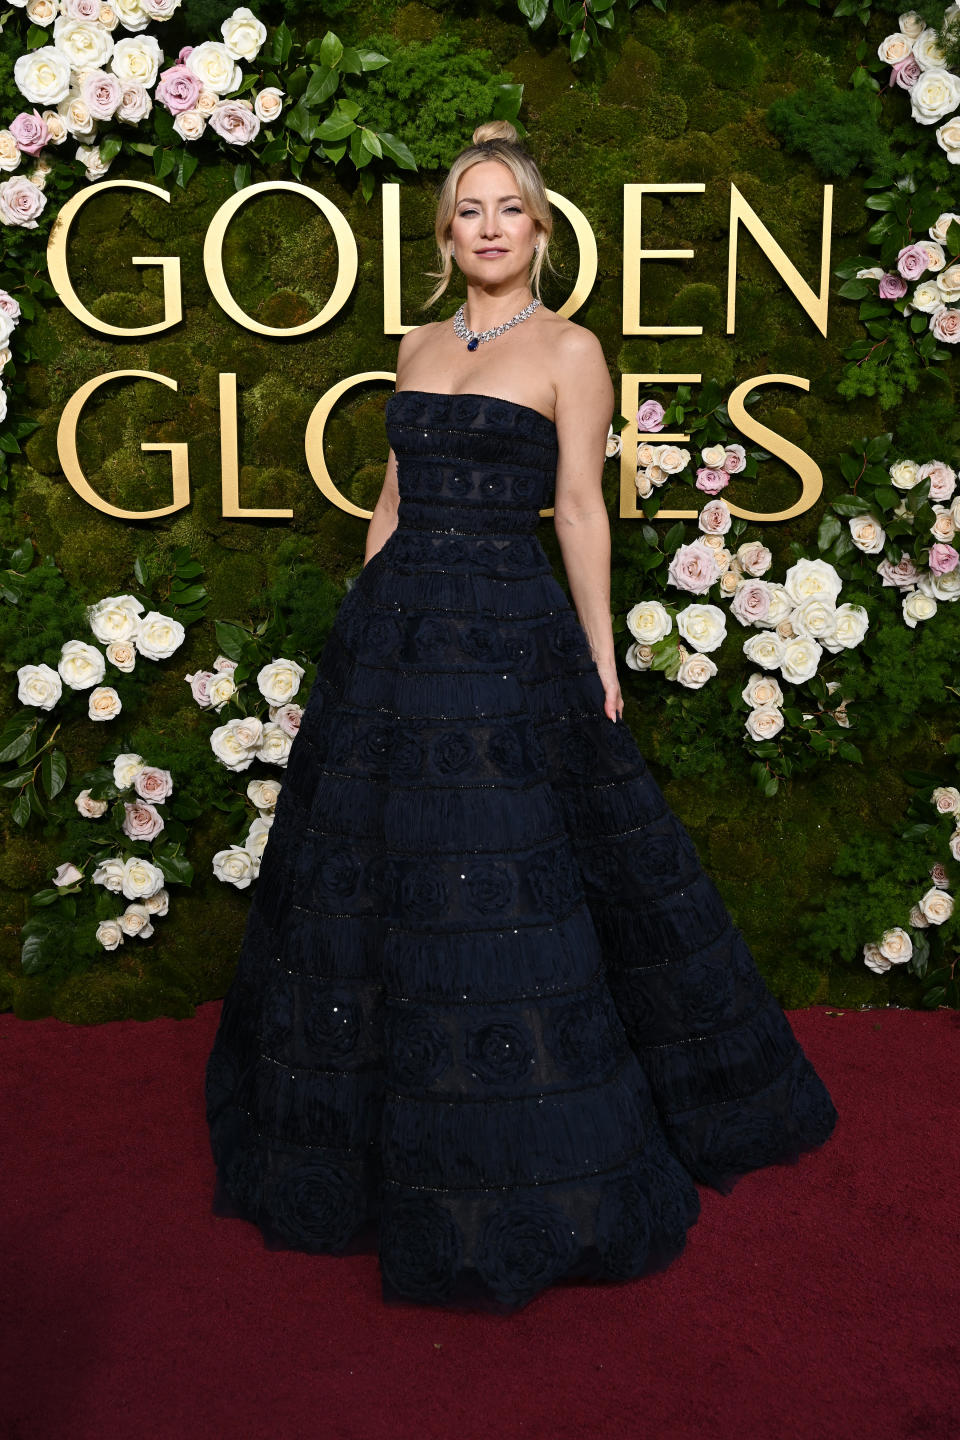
pixel 235 743
pixel 926 298
pixel 140 877
pixel 81 665
pixel 258 835
pixel 42 12
pixel 190 124
pixel 649 621
pixel 268 105
pixel 936 905
pixel 279 681
pixel 946 800
pixel 765 649
pixel 275 744
pixel 264 793
pixel 56 129
pixel 671 458
pixel 39 685
pixel 243 33
pixel 762 692
pixel 158 903
pixel 131 15
pixel 115 617
pixel 868 534
pixel 76 116
pixel 917 606
pixel 135 104
pixel 911 24
pixel 85 43
pixel 235 866
pixel 122 655
pixel 109 934
pixel 926 51
pixel 126 767
pixel 9 151
pixel 159 635
pixel 850 624
pixel 702 626
pixel 214 67
pixel 138 58
pixel 815 616
pixel 135 920
pixel 935 94
pixel 764 722
pixel 639 657
pixel 695 671
pixel 806 578
pixel 90 809
pixel 109 874
pixel 220 689
pixel 895 945
pixel 104 703
pixel 894 48
pixel 799 659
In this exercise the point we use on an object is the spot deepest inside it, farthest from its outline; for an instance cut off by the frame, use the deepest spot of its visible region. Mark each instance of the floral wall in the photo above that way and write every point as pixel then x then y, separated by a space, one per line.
pixel 793 685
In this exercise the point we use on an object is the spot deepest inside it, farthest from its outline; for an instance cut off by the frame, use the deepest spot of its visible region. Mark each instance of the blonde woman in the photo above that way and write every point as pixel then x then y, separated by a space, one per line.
pixel 491 1018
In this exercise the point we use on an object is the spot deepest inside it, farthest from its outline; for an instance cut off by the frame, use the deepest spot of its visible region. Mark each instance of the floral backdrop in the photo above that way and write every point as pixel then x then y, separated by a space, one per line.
pixel 793 685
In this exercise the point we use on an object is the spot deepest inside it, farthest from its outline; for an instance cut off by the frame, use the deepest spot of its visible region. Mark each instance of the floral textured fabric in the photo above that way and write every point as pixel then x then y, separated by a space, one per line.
pixel 491 1017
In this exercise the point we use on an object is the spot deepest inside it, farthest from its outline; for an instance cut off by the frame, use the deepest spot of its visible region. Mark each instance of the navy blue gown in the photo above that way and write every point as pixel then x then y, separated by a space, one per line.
pixel 491 1018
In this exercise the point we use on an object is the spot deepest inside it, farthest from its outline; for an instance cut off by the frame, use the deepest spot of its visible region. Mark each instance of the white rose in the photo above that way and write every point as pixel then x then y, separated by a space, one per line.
pixel 275 744
pixel 258 835
pixel 904 474
pixel 235 744
pixel 109 934
pixel 868 534
pixel 649 621
pixel 131 15
pixel 55 126
pixel 159 635
pixel 764 649
pixel 126 768
pixel 936 906
pixel 926 51
pixel 122 654
pixel 109 874
pixel 109 18
pixel 935 251
pixel 76 116
pixel 104 703
pixel 935 94
pixel 138 58
pixel 938 230
pixel 872 272
pixel 9 151
pixel 158 903
pixel 917 606
pixel 911 24
pixel 189 124
pixel 279 681
pixel 85 43
pixel 671 458
pixel 896 945
pixel 948 283
pixel 713 456
pixel 207 102
pixel 695 671
pixel 89 157
pixel 39 685
pixel 235 866
pixel 135 920
pixel 90 809
pixel 762 692
pixel 140 877
pixel 948 138
pixel 81 665
pixel 764 722
pixel 815 617
pixel 799 659
pixel 944 526
pixel 946 799
pixel 243 34
pixel 926 298
pixel 264 793
pixel 703 626
pixel 115 617
pixel 263 107
pixel 215 67
pixel 806 578
pixel 850 625
pixel 220 689
pixel 873 958
pixel 267 106
pixel 43 75
pixel 639 657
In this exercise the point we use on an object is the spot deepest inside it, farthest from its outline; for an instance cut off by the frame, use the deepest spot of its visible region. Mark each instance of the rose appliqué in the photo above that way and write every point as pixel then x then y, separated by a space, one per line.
pixel 418 1046
pixel 431 637
pixel 374 744
pixel 339 875
pixel 481 642
pixel 421 1250
pixel 554 881
pixel 707 992
pixel 333 1022
pixel 505 752
pixel 491 888
pixel 581 1038
pixel 423 893
pixel 525 1244
pixel 381 634
pixel 316 1205
pixel 500 1051
pixel 452 752
pixel 407 759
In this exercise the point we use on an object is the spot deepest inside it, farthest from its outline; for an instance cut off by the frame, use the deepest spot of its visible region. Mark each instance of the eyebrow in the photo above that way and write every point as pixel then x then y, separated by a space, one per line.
pixel 473 199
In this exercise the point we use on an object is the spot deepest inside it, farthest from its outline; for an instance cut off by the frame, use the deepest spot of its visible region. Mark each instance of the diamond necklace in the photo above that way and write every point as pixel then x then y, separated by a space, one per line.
pixel 473 337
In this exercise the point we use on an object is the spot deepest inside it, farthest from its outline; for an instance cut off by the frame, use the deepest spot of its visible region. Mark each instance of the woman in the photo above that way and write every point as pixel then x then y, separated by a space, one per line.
pixel 491 1015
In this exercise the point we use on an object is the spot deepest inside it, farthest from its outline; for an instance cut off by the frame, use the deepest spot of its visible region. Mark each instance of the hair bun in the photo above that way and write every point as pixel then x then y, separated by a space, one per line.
pixel 496 130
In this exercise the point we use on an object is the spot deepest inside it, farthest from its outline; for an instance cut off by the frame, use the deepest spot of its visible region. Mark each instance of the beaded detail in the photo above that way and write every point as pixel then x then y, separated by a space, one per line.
pixel 487 996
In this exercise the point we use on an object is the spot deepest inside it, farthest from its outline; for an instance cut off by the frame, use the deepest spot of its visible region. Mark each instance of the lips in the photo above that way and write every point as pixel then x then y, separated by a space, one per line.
pixel 493 251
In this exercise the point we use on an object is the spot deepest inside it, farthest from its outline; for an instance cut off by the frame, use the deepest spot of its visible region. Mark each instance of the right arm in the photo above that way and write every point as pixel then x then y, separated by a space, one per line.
pixel 383 520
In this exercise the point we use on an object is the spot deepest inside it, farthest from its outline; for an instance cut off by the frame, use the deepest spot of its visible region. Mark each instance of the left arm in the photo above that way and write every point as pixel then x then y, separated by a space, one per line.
pixel 584 406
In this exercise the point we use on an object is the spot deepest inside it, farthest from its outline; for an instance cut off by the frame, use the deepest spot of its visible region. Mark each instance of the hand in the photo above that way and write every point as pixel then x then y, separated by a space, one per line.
pixel 612 698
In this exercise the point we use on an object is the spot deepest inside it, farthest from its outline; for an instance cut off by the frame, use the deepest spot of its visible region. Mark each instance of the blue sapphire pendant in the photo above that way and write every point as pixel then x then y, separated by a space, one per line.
pixel 472 344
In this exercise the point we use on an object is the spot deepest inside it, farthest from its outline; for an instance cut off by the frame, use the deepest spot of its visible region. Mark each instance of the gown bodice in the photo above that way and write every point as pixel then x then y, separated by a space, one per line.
pixel 470 465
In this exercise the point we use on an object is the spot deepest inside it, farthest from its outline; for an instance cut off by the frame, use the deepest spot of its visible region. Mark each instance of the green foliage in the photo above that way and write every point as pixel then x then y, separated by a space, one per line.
pixel 836 128
pixel 39 610
pixel 450 90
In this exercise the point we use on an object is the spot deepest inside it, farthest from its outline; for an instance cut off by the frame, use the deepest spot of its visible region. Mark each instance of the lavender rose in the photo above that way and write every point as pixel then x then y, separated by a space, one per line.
pixel 693 567
pixel 30 131
pixel 912 260
pixel 21 202
pixel 178 89
pixel 235 122
pixel 650 416
pixel 892 287
pixel 945 324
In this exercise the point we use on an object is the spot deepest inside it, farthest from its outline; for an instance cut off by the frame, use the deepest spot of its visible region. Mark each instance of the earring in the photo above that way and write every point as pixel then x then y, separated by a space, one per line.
pixel 452 252
pixel 535 249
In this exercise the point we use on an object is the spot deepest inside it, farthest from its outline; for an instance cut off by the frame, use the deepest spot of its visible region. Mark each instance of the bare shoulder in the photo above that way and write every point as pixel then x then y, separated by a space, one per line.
pixel 411 342
pixel 579 369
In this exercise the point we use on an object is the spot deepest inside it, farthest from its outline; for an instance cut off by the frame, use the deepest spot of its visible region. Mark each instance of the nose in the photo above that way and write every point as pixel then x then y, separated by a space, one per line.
pixel 490 225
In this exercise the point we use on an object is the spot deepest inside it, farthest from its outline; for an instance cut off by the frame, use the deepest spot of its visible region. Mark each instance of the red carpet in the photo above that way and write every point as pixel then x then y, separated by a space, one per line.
pixel 815 1302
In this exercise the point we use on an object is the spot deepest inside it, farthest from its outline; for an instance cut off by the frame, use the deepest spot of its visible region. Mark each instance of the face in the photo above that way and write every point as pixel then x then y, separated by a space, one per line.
pixel 493 236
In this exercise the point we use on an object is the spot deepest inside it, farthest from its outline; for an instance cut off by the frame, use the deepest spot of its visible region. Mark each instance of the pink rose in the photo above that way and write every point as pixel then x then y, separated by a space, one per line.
pixel 82 9
pixel 21 202
pixel 102 92
pixel 67 874
pixel 178 89
pixel 735 459
pixel 939 876
pixel 224 663
pixel 650 416
pixel 30 131
pixel 943 558
pixel 288 717
pixel 200 685
pixel 902 575
pixel 943 480
pixel 152 783
pixel 945 324
pixel 141 822
pixel 711 481
pixel 234 122
pixel 892 287
pixel 905 73
pixel 751 602
pixel 715 518
pixel 10 306
pixel 693 568
pixel 912 260
pixel 184 53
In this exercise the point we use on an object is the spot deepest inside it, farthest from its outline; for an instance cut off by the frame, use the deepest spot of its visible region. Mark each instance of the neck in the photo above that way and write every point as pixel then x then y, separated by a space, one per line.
pixel 484 309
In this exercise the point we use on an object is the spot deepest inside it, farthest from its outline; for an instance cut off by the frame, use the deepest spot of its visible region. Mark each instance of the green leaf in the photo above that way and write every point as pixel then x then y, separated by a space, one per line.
pixel 370 142
pixel 335 127
pixel 579 45
pixel 828 532
pixel 282 43
pixel 241 175
pixel 330 50
pixel 322 85
pixel 53 772
pixel 373 60
pixel 350 62
pixel 397 150
pixel 176 868
pixel 188 164
pixel 231 639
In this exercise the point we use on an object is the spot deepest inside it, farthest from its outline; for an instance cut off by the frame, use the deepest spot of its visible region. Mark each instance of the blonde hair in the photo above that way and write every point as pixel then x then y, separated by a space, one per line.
pixel 493 140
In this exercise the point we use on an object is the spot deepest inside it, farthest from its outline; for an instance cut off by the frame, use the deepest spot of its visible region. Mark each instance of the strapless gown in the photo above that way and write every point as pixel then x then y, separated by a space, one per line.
pixel 491 1019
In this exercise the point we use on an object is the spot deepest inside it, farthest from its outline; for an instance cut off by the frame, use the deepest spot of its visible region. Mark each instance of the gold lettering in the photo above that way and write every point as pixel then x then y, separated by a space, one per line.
pixel 630 439
pixel 815 306
pixel 633 251
pixel 810 473
pixel 229 457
